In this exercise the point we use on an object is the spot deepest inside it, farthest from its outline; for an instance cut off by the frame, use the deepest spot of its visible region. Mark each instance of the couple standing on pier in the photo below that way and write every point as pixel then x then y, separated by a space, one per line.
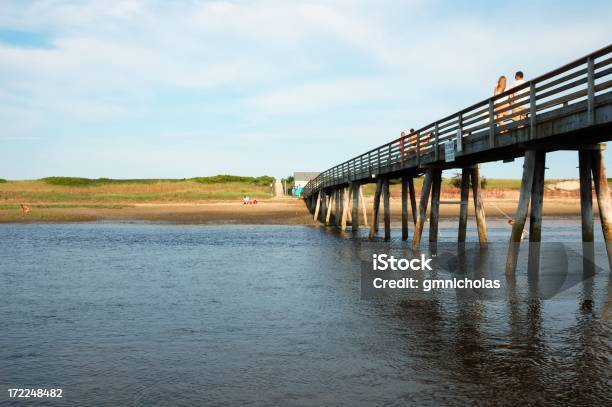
pixel 503 104
pixel 511 106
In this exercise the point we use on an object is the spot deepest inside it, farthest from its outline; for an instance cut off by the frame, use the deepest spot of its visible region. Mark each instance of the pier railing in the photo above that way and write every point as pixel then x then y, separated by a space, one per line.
pixel 487 122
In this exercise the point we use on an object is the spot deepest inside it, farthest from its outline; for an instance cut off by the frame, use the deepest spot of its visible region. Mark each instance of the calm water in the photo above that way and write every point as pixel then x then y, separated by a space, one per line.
pixel 132 314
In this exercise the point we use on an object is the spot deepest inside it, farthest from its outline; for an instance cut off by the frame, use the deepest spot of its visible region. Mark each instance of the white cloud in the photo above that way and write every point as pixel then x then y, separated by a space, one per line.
pixel 256 70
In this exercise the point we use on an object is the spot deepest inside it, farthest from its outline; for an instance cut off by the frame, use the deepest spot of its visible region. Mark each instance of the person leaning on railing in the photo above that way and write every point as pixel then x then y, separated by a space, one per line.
pixel 518 97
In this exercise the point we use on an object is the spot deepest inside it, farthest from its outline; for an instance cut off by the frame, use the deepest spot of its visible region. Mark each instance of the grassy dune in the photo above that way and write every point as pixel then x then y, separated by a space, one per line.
pixel 65 192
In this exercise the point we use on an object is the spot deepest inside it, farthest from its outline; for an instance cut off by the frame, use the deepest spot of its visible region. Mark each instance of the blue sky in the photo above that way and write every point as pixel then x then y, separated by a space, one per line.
pixel 160 89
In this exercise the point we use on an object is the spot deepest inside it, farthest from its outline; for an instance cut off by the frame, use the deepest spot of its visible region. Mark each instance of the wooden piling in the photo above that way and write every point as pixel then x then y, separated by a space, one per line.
pixel 404 207
pixel 349 211
pixel 338 209
pixel 586 195
pixel 345 208
pixel 413 204
pixel 363 207
pixel 521 211
pixel 535 216
pixel 481 223
pixel 376 207
pixel 329 208
pixel 387 205
pixel 316 212
pixel 434 214
pixel 355 214
pixel 537 197
pixel 323 206
pixel 463 209
pixel 418 229
pixel 603 199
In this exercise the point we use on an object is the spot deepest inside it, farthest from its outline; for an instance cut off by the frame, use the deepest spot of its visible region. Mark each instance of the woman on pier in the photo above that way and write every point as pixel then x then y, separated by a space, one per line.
pixel 501 88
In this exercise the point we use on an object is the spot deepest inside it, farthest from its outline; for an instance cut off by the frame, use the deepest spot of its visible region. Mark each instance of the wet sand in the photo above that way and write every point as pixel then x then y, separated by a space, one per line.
pixel 287 211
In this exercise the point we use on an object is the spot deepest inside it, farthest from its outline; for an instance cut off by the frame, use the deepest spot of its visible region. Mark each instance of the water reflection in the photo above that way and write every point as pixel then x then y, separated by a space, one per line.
pixel 539 339
pixel 166 315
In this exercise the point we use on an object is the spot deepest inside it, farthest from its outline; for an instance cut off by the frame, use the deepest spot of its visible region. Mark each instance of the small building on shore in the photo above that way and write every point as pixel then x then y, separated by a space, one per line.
pixel 300 179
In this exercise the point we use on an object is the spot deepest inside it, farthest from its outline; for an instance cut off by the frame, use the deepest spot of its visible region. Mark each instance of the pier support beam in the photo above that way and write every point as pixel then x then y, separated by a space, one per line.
pixel 586 195
pixel 329 208
pixel 603 199
pixel 404 207
pixel 434 214
pixel 355 215
pixel 586 213
pixel 345 208
pixel 338 207
pixel 537 198
pixel 387 204
pixel 413 203
pixel 535 217
pixel 463 209
pixel 323 206
pixel 375 209
pixel 418 229
pixel 521 211
pixel 318 204
pixel 349 212
pixel 363 206
pixel 481 223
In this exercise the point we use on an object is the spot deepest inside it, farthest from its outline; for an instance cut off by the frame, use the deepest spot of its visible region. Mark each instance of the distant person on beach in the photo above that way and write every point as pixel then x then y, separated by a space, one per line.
pixel 24 208
pixel 518 97
pixel 298 191
pixel 501 88
pixel 246 200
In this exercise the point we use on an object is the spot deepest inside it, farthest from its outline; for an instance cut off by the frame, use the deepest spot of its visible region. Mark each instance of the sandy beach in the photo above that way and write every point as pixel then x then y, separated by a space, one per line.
pixel 285 211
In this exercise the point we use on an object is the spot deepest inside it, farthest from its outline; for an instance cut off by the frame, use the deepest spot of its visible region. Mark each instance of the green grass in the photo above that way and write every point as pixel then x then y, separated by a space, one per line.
pixel 223 179
pixel 3 181
pixel 141 197
pixel 217 179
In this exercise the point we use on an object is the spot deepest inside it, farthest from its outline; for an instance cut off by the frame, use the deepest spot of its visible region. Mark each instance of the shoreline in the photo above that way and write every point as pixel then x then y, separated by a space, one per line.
pixel 282 211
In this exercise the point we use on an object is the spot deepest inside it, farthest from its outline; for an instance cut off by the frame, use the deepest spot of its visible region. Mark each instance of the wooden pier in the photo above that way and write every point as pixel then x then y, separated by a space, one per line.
pixel 569 108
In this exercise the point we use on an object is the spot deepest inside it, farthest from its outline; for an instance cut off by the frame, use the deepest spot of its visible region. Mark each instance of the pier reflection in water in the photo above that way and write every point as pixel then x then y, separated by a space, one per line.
pixel 156 315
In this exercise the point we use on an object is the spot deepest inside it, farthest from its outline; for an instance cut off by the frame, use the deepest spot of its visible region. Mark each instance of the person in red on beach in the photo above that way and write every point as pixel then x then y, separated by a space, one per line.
pixel 24 208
